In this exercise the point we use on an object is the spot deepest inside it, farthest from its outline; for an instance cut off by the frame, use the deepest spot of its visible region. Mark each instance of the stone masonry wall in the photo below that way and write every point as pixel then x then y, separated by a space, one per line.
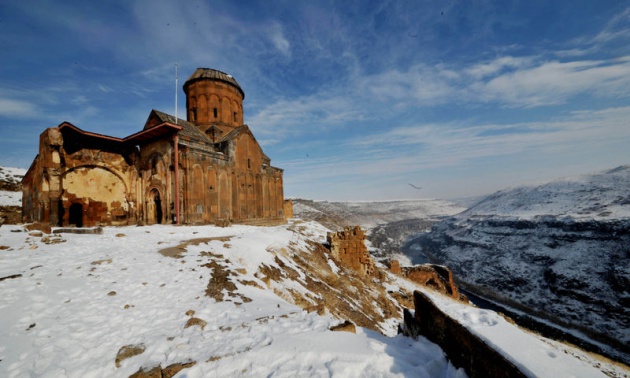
pixel 348 248
pixel 463 348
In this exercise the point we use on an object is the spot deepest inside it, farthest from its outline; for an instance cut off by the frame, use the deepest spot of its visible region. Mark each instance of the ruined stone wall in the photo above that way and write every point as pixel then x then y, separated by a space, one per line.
pixel 83 187
pixel 288 209
pixel 41 187
pixel 463 348
pixel 436 277
pixel 96 186
pixel 348 248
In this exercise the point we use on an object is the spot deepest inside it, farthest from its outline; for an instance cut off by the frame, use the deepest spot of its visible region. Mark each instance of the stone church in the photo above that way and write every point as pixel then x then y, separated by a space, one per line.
pixel 208 169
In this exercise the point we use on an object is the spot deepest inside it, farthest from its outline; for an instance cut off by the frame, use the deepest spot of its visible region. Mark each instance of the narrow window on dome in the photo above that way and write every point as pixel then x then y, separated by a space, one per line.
pixel 215 112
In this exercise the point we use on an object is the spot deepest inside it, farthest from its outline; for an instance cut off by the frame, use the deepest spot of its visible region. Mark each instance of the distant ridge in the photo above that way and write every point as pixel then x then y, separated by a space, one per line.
pixel 603 195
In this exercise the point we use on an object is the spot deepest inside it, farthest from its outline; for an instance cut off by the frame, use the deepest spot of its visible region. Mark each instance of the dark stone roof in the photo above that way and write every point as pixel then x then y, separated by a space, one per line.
pixel 212 74
pixel 189 130
pixel 239 130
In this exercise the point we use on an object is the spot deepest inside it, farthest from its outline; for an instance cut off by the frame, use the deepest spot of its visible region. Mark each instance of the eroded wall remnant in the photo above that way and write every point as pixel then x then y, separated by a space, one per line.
pixel 436 277
pixel 208 169
pixel 348 248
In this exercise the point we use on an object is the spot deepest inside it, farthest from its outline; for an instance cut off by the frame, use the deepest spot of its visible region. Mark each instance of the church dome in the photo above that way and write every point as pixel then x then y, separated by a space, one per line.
pixel 212 74
pixel 214 98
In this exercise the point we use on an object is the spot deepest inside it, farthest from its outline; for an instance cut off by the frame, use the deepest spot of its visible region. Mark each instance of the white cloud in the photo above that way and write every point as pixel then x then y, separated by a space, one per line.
pixel 278 39
pixel 492 68
pixel 505 81
pixel 420 85
pixel 79 100
pixel 555 82
pixel 17 108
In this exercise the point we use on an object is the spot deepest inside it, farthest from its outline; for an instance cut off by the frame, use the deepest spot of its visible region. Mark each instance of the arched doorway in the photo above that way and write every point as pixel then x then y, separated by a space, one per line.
pixel 154 207
pixel 75 215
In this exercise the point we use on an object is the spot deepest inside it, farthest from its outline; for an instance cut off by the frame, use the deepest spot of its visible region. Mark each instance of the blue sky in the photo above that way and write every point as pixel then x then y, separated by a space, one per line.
pixel 354 99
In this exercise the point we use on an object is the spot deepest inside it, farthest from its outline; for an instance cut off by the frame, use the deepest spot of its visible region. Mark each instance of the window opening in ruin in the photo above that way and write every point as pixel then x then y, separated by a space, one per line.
pixel 193 115
pixel 234 116
pixel 199 209
pixel 249 165
pixel 216 113
pixel 75 216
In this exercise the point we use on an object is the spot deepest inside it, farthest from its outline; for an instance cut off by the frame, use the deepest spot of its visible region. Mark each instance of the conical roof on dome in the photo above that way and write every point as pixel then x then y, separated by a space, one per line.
pixel 212 74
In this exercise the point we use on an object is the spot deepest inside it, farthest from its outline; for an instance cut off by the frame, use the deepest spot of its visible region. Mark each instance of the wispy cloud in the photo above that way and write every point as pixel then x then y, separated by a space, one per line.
pixel 512 82
pixel 554 82
pixel 407 152
pixel 617 28
pixel 450 144
pixel 287 118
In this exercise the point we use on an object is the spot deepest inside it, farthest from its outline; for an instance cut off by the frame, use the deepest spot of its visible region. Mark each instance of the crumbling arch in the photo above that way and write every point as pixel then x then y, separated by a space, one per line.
pixel 102 193
pixel 93 166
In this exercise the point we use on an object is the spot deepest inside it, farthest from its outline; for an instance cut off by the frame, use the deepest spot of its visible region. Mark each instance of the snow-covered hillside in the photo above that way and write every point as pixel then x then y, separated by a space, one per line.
pixel 222 302
pixel 604 195
pixel 371 214
pixel 561 250
pixel 10 187
pixel 388 223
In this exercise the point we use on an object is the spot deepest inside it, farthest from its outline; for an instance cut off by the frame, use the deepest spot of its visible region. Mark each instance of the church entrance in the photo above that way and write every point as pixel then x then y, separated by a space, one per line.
pixel 154 207
pixel 75 215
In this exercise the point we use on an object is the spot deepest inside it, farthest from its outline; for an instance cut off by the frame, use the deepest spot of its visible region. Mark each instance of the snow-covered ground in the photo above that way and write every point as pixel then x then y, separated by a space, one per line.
pixel 10 198
pixel 68 304
pixel 78 302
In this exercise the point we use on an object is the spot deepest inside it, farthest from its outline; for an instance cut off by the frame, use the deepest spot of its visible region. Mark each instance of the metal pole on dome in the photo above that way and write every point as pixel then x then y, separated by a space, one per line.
pixel 176 157
pixel 176 115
